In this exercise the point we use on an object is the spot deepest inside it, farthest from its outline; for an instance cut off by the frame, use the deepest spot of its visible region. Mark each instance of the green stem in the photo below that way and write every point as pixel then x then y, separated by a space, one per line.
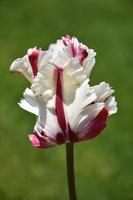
pixel 70 171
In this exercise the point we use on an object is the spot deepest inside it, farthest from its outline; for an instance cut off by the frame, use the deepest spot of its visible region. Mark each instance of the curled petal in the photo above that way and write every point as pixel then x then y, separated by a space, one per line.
pixel 103 91
pixel 29 64
pixel 88 113
pixel 21 65
pixel 82 99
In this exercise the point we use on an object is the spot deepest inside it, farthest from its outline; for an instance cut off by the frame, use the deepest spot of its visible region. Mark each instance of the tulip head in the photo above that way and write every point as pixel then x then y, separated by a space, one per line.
pixel 67 108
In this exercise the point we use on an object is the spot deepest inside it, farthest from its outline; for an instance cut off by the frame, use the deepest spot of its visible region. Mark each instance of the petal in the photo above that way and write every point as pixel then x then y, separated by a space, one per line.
pixel 44 83
pixel 47 133
pixel 29 64
pixel 30 103
pixel 72 79
pixel 47 118
pixel 60 55
pixel 78 50
pixel 20 65
pixel 30 97
pixel 41 142
pixel 51 124
pixel 103 91
pixel 85 118
pixel 81 106
pixel 33 55
pixel 89 62
pixel 28 107
pixel 96 125
pixel 111 105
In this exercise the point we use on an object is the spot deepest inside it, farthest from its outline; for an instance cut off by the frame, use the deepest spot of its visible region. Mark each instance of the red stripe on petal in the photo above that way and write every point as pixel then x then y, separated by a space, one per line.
pixel 83 55
pixel 33 58
pixel 74 50
pixel 68 40
pixel 59 108
pixel 60 138
pixel 97 125
pixel 77 50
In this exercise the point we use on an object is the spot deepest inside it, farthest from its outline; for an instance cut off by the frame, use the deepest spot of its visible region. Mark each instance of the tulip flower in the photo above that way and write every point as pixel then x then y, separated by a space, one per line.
pixel 68 109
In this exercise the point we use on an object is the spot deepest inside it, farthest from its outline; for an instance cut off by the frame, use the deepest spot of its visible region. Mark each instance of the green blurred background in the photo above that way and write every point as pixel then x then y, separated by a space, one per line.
pixel 104 166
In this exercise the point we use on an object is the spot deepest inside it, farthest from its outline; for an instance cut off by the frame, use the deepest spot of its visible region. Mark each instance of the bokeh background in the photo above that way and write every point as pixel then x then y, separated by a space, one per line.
pixel 104 166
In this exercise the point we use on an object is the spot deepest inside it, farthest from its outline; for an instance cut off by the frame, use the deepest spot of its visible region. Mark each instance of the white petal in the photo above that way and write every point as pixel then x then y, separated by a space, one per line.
pixel 30 103
pixel 28 107
pixel 44 83
pixel 59 54
pixel 111 105
pixel 30 97
pixel 46 117
pixel 103 91
pixel 52 124
pixel 89 62
pixel 48 122
pixel 22 66
pixel 81 110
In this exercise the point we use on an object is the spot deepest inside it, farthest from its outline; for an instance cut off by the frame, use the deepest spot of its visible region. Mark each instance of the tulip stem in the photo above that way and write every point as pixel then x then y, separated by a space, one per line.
pixel 70 170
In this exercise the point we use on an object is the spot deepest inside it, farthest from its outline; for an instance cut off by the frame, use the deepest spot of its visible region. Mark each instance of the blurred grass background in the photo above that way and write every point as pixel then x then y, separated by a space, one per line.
pixel 104 166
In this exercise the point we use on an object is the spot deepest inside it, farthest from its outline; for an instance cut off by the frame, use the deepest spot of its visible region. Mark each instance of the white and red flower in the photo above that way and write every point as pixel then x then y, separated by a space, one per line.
pixel 68 109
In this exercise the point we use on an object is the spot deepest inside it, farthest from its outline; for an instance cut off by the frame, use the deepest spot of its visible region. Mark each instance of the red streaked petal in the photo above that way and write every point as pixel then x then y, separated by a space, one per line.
pixel 33 58
pixel 66 39
pixel 59 108
pixel 77 49
pixel 97 125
